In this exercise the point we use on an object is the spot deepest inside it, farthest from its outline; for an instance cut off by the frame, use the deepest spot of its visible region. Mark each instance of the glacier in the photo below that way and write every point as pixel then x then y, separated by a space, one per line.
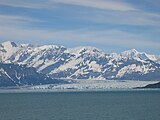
pixel 91 85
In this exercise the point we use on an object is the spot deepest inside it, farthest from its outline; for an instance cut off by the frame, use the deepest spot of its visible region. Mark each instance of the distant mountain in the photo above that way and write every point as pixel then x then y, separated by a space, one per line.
pixel 82 62
pixel 20 75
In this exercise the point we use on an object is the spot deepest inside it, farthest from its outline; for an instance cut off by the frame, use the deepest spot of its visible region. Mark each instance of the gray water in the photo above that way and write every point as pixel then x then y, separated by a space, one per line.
pixel 109 105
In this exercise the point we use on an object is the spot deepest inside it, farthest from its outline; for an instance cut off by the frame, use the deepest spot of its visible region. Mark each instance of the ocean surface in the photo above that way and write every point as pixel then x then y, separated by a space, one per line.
pixel 106 105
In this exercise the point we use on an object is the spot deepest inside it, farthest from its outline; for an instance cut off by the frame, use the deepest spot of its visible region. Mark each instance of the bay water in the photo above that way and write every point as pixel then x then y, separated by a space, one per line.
pixel 101 105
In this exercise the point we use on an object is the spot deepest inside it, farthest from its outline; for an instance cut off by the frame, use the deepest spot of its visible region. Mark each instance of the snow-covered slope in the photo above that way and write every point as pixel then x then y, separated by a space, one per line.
pixel 82 62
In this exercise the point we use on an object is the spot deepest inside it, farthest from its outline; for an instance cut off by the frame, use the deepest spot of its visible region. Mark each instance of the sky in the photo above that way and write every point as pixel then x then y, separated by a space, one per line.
pixel 110 25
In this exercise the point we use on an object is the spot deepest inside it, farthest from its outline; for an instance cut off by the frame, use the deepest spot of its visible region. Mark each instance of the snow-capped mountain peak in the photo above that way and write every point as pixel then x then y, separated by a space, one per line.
pixel 50 47
pixel 84 50
pixel 9 44
pixel 134 54
pixel 130 53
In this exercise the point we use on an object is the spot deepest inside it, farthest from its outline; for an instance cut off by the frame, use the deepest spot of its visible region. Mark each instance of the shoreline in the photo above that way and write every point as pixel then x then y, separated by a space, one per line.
pixel 76 91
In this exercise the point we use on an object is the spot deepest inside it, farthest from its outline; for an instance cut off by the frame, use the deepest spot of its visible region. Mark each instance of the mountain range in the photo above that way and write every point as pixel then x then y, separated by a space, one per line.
pixel 84 62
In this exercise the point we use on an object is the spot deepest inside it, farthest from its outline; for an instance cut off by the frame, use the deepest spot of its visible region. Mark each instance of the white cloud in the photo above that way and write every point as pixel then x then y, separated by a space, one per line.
pixel 117 17
pixel 131 16
pixel 99 4
pixel 17 21
pixel 24 3
pixel 4 18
